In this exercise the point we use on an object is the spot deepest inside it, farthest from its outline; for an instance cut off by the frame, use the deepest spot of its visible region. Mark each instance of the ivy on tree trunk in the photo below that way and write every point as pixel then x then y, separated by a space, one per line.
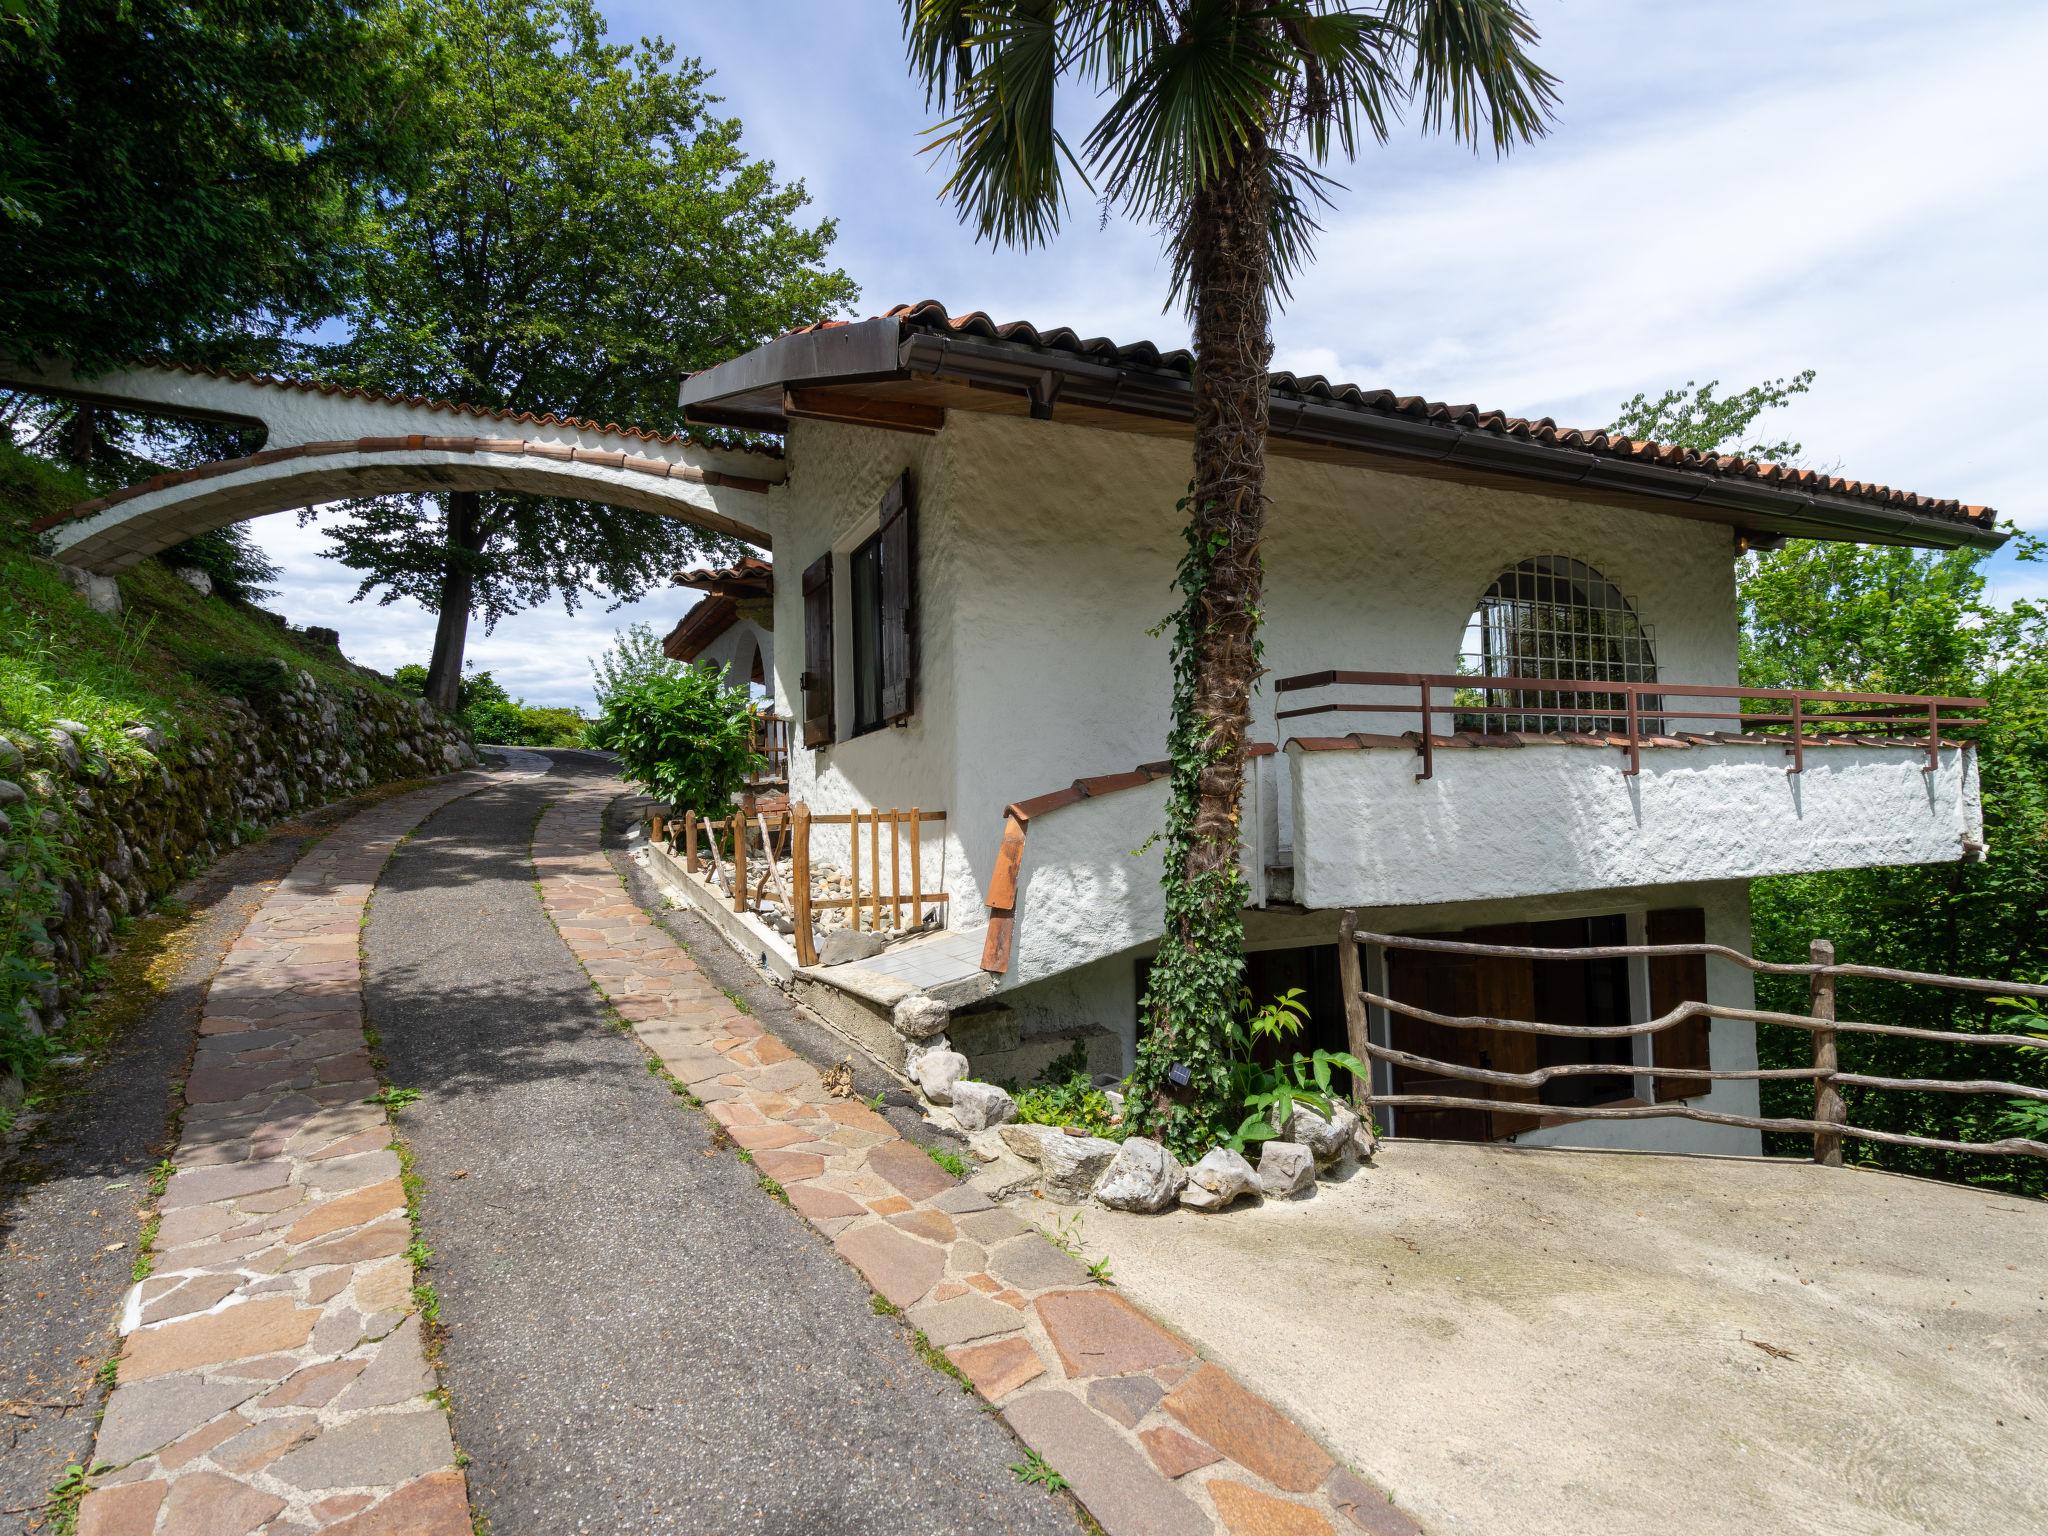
pixel 1197 982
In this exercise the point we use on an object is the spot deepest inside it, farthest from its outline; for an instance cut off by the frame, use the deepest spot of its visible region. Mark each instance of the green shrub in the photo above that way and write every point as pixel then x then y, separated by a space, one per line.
pixel 492 714
pixel 683 736
pixel 1065 1095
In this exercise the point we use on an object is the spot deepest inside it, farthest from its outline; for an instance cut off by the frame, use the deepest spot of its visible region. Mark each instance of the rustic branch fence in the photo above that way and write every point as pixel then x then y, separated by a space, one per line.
pixel 754 840
pixel 1829 1124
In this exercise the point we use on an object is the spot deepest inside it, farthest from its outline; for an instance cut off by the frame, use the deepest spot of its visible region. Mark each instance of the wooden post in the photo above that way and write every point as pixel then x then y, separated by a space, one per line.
pixel 690 842
pixel 916 872
pixel 895 870
pixel 1352 985
pixel 875 867
pixel 800 878
pixel 738 822
pixel 659 825
pixel 853 870
pixel 1827 1097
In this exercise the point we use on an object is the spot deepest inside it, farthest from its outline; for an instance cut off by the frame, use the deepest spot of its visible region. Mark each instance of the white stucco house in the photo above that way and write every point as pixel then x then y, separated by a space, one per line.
pixel 977 535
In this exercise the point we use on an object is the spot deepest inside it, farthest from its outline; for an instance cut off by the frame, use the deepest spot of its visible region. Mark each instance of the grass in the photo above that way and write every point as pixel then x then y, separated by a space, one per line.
pixel 394 1099
pixel 952 1162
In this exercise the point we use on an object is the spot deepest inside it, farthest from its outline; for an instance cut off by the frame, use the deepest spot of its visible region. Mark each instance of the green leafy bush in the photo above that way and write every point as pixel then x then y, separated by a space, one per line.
pixel 492 714
pixel 1065 1095
pixel 683 736
pixel 1264 1095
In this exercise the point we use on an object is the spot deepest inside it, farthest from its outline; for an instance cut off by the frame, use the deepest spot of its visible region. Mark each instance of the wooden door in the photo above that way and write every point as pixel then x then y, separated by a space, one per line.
pixel 1464 985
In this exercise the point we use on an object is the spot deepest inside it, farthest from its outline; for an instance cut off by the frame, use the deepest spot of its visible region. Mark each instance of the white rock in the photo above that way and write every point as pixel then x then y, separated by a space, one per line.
pixel 919 1017
pixel 1326 1139
pixel 1143 1176
pixel 977 1106
pixel 1286 1168
pixel 986 1146
pixel 1069 1166
pixel 1027 1141
pixel 1219 1178
pixel 1365 1142
pixel 936 1073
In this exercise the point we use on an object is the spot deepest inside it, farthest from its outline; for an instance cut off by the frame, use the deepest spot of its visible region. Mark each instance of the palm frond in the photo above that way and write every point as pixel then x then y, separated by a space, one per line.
pixel 1473 67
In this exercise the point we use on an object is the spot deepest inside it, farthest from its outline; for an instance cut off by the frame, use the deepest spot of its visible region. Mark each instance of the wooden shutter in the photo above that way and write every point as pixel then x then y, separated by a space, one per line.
pixel 816 681
pixel 898 604
pixel 1676 979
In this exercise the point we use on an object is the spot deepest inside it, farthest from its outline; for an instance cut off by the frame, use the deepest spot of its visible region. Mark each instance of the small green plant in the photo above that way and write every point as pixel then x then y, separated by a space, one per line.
pixel 1264 1097
pixel 743 1154
pixel 1035 1469
pixel 418 1254
pixel 145 1254
pixel 1064 1095
pixel 108 1373
pixel 738 999
pixel 773 1190
pixel 875 1104
pixel 1098 1271
pixel 394 1098
pixel 427 1302
pixel 882 1306
pixel 62 1509
pixel 952 1162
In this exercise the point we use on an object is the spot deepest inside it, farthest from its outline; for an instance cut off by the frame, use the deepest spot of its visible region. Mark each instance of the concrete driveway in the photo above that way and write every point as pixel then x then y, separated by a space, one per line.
pixel 1522 1342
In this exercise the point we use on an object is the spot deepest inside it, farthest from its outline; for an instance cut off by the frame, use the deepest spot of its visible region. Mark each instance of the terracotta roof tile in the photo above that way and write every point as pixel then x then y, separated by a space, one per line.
pixel 930 315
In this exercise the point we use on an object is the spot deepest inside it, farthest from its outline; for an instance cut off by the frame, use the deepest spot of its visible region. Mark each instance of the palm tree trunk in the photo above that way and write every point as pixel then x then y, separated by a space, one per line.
pixel 1230 277
pixel 458 588
pixel 1198 975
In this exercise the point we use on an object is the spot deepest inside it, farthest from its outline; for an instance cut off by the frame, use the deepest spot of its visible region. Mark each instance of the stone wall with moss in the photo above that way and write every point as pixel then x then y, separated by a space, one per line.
pixel 97 828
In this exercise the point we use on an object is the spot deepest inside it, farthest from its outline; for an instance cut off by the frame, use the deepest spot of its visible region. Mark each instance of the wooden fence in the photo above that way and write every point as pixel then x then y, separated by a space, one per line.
pixel 1829 1124
pixel 755 840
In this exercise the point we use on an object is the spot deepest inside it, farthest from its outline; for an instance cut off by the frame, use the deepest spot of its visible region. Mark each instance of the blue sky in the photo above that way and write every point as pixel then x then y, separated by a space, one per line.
pixel 1734 191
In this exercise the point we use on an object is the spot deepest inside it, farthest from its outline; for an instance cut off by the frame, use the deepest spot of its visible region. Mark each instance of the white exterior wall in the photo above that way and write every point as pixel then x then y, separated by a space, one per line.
pixel 1066 540
pixel 733 653
pixel 1539 820
pixel 832 500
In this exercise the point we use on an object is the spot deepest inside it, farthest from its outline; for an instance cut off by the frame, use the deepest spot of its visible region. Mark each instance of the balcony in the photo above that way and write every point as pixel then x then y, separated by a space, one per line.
pixel 1478 787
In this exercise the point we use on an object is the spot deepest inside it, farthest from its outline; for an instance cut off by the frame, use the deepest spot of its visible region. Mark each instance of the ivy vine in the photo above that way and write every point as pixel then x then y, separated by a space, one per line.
pixel 1196 992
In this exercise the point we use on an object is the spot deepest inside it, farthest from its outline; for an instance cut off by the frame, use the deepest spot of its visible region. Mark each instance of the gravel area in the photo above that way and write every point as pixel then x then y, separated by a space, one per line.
pixel 638 1339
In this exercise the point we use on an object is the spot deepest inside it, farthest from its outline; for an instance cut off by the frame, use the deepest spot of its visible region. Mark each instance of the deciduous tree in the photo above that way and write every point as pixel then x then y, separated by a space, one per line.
pixel 588 229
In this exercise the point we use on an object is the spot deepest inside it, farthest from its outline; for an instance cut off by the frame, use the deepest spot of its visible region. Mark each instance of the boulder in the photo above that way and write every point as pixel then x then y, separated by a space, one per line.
pixel 199 581
pixel 986 1146
pixel 1143 1176
pixel 918 1016
pixel 1069 1166
pixel 843 946
pixel 1286 1168
pixel 11 793
pixel 1326 1139
pixel 919 1049
pixel 1027 1141
pixel 978 1106
pixel 1365 1142
pixel 936 1073
pixel 1217 1180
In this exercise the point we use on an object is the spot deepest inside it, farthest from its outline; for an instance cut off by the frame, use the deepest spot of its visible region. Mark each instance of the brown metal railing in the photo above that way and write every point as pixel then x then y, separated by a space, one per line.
pixel 1630 714
pixel 1830 1118
pixel 754 840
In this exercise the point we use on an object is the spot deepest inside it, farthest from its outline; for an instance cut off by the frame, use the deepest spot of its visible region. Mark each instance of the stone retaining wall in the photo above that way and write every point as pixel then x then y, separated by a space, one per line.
pixel 100 836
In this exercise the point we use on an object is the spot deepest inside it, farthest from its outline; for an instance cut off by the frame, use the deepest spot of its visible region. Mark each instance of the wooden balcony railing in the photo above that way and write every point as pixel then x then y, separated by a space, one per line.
pixel 884 882
pixel 1830 1122
pixel 1630 715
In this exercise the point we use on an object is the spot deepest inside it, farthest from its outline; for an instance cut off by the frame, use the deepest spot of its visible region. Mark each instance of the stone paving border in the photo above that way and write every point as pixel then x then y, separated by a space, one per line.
pixel 1154 1440
pixel 273 1377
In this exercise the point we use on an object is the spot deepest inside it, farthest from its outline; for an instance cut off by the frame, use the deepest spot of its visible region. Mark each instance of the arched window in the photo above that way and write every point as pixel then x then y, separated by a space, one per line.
pixel 1557 618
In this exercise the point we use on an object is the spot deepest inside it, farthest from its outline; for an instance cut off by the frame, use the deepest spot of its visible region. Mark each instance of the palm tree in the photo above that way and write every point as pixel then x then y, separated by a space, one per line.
pixel 1217 118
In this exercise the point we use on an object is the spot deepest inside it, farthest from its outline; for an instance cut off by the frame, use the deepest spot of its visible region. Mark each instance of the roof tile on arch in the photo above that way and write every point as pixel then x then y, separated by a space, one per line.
pixel 932 316
pixel 451 407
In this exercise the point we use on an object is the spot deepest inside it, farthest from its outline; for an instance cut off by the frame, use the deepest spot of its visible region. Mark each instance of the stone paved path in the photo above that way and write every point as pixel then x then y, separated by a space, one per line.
pixel 1155 1440
pixel 272 1376
pixel 639 1339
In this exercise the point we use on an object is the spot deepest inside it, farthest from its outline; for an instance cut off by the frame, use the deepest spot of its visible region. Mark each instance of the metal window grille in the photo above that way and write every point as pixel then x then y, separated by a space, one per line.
pixel 1556 618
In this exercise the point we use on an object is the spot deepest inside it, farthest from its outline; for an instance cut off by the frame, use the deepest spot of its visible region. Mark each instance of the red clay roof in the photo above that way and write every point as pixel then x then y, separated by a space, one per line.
pixel 930 315
pixel 750 577
pixel 451 407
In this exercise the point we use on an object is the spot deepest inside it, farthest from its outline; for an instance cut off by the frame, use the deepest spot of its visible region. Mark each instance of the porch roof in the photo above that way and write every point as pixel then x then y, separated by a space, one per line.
pixel 904 369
